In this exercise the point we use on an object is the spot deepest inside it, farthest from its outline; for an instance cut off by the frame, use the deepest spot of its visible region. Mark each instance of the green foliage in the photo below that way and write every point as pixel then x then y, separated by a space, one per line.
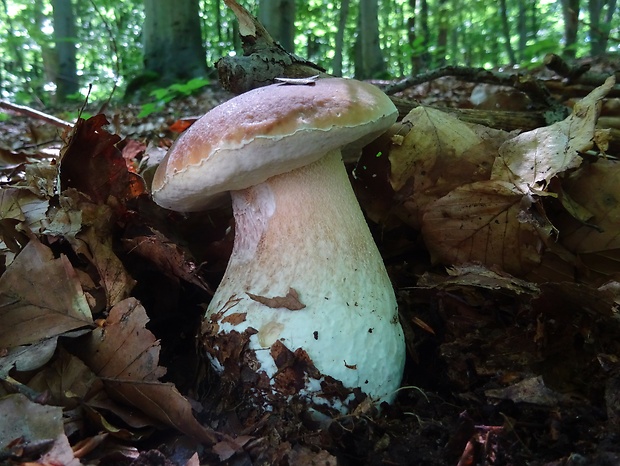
pixel 109 38
pixel 164 95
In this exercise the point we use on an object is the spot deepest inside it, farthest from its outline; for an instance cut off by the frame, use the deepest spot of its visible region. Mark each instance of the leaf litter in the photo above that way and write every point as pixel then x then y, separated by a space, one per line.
pixel 123 296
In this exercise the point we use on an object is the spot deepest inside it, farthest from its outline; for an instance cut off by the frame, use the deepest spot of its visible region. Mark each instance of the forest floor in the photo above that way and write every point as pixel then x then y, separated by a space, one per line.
pixel 500 370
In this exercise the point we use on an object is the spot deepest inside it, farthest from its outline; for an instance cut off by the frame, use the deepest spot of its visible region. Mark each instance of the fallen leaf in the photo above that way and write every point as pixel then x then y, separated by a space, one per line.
pixel 438 154
pixel 126 355
pixel 28 357
pixel 92 164
pixel 290 301
pixel 33 423
pixel 532 158
pixel 532 390
pixel 114 278
pixel 23 205
pixel 166 256
pixel 481 222
pixel 595 187
pixel 40 297
pixel 67 381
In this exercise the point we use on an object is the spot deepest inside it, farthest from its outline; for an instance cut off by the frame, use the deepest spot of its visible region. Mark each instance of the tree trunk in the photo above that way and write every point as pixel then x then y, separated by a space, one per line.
pixel 522 29
pixel 278 17
pixel 599 32
pixel 65 38
pixel 172 40
pixel 503 11
pixel 594 9
pixel 442 32
pixel 339 46
pixel 570 11
pixel 370 63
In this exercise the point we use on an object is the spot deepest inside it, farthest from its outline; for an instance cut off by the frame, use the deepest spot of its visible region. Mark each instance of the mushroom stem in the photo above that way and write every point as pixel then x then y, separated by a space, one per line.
pixel 304 231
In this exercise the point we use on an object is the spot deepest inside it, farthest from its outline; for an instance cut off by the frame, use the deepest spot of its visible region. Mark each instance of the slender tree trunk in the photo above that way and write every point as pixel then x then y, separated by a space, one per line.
pixel 418 35
pixel 339 46
pixel 65 38
pixel 412 38
pixel 172 39
pixel 522 29
pixel 443 21
pixel 594 9
pixel 371 63
pixel 503 12
pixel 599 32
pixel 611 9
pixel 570 11
pixel 9 29
pixel 278 17
pixel 426 33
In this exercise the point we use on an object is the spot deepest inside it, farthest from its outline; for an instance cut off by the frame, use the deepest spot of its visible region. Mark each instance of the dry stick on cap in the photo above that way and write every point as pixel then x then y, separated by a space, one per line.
pixel 304 272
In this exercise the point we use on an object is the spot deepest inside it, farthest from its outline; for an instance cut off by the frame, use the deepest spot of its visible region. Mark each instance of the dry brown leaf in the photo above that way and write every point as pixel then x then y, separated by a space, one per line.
pixel 114 279
pixel 28 357
pixel 40 297
pixel 92 164
pixel 532 390
pixel 123 348
pixel 161 401
pixel 531 159
pixel 481 222
pixel 290 301
pixel 67 381
pixel 32 422
pixel 166 256
pixel 100 404
pixel 22 205
pixel 595 187
pixel 126 356
pixel 433 135
pixel 438 154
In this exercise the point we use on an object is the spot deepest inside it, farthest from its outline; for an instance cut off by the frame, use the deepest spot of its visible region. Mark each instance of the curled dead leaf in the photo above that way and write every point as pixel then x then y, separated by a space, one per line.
pixel 40 297
pixel 125 354
pixel 533 158
pixel 290 301
pixel 439 153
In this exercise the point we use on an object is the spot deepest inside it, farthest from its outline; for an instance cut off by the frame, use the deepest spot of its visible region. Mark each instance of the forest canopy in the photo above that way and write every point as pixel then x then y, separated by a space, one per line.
pixel 60 47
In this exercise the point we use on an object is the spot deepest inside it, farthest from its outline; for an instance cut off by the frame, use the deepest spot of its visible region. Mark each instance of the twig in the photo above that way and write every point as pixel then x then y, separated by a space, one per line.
pixel 31 112
pixel 572 73
pixel 527 84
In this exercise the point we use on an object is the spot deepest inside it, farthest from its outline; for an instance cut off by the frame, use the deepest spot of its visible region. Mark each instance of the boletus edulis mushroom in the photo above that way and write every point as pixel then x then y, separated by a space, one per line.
pixel 305 309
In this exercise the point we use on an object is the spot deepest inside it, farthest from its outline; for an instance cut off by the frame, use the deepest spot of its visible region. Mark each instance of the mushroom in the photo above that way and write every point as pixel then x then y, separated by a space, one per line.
pixel 305 308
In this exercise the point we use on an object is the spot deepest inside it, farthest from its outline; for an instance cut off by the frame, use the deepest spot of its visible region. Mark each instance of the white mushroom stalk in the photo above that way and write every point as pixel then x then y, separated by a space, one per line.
pixel 305 309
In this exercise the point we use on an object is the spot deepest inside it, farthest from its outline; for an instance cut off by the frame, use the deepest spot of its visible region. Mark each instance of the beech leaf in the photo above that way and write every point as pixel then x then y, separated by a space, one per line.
pixel 483 222
pixel 40 297
pixel 126 356
pixel 114 278
pixel 34 423
pixel 67 380
pixel 595 187
pixel 438 154
pixel 532 158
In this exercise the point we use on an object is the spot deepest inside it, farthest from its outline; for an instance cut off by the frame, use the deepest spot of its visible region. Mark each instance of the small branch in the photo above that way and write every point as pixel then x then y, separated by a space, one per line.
pixel 263 58
pixel 535 89
pixel 558 65
pixel 579 74
pixel 31 112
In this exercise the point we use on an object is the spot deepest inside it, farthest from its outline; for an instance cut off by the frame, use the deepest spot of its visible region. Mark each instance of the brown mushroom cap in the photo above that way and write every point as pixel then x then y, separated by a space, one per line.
pixel 267 132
